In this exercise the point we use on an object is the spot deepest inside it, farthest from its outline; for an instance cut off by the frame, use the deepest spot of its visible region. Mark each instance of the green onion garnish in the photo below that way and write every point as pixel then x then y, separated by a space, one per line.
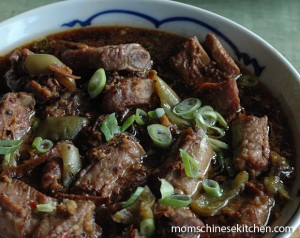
pixel 205 117
pixel 42 146
pixel 212 187
pixel 217 145
pixel 47 207
pixel 109 127
pixel 215 132
pixel 166 189
pixel 147 227
pixel 133 197
pixel 177 200
pixel 248 81
pixel 141 117
pixel 157 113
pixel 187 108
pixel 221 120
pixel 160 135
pixel 6 159
pixel 9 146
pixel 127 123
pixel 190 165
pixel 97 83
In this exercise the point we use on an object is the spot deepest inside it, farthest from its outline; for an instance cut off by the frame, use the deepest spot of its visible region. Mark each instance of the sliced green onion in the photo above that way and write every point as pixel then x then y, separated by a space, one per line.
pixel 109 127
pixel 133 197
pixel 205 117
pixel 147 227
pixel 47 207
pixel 141 116
pixel 166 189
pixel 190 165
pixel 221 120
pixel 173 118
pixel 6 159
pixel 205 205
pixel 9 146
pixel 248 81
pixel 9 160
pixel 212 187
pixel 215 132
pixel 187 108
pixel 127 123
pixel 160 135
pixel 217 145
pixel 176 200
pixel 157 113
pixel 97 83
pixel 42 146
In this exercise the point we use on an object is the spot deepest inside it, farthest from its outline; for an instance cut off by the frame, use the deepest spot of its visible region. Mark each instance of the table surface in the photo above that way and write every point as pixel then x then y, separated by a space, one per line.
pixel 276 21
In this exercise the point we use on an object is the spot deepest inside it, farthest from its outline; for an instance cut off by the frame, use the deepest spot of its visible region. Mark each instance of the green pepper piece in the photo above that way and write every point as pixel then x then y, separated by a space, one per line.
pixel 61 128
pixel 274 185
pixel 205 205
pixel 140 209
pixel 168 99
pixel 71 162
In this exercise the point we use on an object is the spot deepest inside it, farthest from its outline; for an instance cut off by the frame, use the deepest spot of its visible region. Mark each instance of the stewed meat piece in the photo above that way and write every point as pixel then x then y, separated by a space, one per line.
pixel 251 144
pixel 212 79
pixel 177 222
pixel 197 65
pixel 17 207
pixel 129 92
pixel 129 57
pixel 51 176
pixel 68 104
pixel 16 111
pixel 191 63
pixel 196 145
pixel 223 97
pixel 115 170
pixel 73 219
pixel 224 62
pixel 20 219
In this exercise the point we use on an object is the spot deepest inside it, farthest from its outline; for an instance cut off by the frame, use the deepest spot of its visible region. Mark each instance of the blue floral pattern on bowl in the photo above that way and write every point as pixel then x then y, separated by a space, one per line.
pixel 157 23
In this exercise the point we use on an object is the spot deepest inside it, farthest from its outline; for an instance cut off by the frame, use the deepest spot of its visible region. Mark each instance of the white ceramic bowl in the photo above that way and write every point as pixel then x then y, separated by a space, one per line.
pixel 272 68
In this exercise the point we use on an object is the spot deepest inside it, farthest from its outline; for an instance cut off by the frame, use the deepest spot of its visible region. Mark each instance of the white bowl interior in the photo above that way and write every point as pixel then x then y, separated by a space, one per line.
pixel 277 74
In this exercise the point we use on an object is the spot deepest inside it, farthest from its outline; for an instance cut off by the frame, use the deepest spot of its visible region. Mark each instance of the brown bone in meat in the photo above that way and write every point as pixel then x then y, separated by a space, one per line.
pixel 129 57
